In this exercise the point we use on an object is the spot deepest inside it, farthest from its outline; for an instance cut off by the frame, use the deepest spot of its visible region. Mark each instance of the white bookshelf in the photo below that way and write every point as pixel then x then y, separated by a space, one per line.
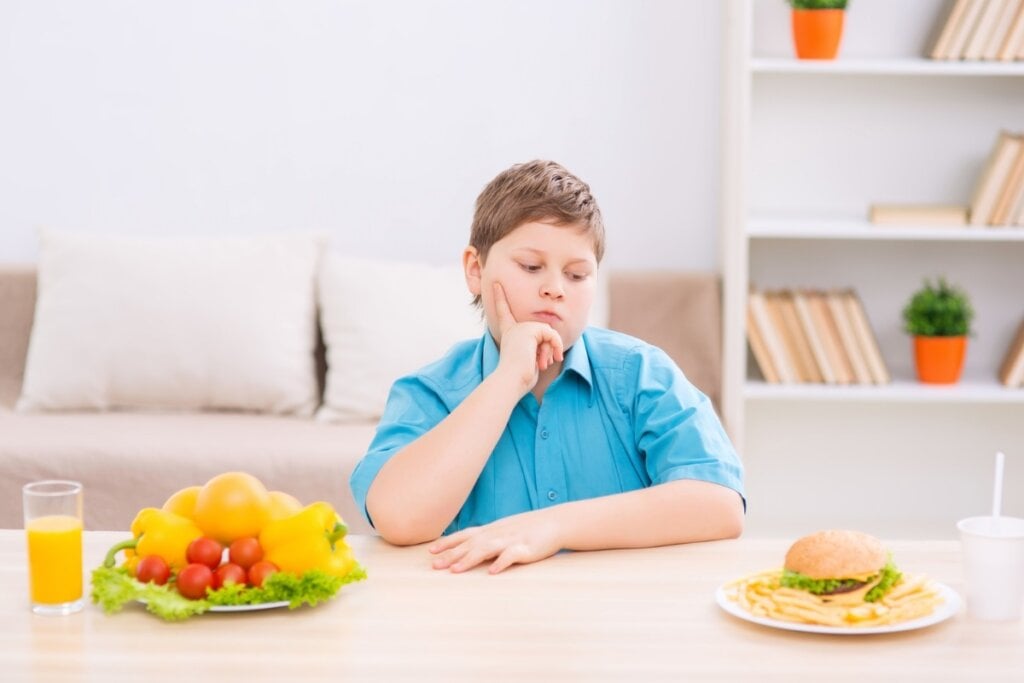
pixel 807 146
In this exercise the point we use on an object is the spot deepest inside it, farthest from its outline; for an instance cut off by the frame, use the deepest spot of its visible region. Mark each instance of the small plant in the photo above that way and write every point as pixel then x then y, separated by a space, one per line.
pixel 817 4
pixel 938 311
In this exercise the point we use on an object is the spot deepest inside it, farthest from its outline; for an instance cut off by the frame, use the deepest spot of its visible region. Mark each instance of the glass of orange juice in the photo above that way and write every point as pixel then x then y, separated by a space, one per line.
pixel 53 526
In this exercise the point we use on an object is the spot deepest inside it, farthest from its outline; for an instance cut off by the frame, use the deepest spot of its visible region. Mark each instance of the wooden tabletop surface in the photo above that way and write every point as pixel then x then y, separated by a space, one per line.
pixel 615 615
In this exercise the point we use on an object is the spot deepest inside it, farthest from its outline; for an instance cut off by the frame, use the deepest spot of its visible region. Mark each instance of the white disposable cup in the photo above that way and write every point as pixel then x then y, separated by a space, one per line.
pixel 993 556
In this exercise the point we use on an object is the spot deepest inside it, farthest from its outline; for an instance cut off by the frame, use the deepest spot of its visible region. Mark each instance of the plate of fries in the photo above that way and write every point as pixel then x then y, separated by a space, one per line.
pixel 915 602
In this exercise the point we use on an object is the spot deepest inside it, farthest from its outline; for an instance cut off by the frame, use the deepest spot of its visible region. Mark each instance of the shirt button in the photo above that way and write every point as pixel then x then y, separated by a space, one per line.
pixel 543 433
pixel 552 495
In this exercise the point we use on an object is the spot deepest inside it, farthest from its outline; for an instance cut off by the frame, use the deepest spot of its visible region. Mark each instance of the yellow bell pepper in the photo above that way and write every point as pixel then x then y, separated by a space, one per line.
pixel 310 539
pixel 158 532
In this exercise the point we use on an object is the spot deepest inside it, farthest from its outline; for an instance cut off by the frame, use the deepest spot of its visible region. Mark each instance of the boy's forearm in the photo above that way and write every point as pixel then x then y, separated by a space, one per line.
pixel 681 511
pixel 421 488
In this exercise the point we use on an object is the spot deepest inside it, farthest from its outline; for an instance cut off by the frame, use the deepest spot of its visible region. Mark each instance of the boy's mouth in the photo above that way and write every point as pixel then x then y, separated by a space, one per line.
pixel 546 317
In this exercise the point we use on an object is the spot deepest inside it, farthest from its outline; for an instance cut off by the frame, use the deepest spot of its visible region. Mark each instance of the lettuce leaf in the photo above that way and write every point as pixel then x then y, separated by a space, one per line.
pixel 890 576
pixel 113 588
pixel 791 579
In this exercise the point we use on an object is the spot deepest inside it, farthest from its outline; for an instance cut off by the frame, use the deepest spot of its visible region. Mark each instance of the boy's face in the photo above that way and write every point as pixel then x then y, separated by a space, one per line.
pixel 548 273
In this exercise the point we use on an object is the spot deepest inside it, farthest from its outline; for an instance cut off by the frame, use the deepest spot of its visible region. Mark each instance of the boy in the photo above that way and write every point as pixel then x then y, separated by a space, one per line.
pixel 543 435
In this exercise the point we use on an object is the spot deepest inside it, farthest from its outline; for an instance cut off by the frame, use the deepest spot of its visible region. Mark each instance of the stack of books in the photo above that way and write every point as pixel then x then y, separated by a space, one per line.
pixel 813 336
pixel 982 30
pixel 999 195
pixel 1011 372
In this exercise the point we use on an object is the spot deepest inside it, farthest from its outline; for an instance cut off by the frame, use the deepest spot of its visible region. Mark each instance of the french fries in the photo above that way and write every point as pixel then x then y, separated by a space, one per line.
pixel 762 595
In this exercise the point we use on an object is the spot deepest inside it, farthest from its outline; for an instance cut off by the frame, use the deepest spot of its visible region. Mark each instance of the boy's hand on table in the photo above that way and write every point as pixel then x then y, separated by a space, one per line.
pixel 519 539
pixel 526 348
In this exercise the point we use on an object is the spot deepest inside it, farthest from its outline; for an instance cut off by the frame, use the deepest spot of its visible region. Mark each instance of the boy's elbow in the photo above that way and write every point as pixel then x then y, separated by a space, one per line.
pixel 403 534
pixel 732 517
pixel 398 529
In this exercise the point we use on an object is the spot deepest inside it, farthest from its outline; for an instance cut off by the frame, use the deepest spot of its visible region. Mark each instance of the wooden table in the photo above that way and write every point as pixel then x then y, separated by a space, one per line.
pixel 617 615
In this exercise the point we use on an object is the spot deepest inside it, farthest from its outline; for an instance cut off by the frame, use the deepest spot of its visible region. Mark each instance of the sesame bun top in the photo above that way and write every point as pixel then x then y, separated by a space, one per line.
pixel 837 554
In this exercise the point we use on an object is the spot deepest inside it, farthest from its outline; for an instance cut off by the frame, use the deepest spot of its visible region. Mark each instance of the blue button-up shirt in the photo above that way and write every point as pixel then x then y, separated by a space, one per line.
pixel 619 417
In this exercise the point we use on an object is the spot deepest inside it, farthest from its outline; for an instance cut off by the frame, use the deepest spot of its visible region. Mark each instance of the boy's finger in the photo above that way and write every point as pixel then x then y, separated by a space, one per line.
pixel 501 307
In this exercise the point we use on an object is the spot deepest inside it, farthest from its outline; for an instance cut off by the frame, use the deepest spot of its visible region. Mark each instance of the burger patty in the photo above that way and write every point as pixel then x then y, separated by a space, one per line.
pixel 846 588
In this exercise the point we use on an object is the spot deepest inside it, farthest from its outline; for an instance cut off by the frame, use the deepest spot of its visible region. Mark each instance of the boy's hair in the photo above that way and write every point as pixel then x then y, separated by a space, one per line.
pixel 534 191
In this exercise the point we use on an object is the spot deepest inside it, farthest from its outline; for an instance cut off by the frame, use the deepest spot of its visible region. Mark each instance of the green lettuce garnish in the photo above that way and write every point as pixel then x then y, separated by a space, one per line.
pixel 113 588
pixel 890 576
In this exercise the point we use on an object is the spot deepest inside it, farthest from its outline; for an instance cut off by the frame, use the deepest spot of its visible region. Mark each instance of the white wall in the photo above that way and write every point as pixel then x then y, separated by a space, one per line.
pixel 375 121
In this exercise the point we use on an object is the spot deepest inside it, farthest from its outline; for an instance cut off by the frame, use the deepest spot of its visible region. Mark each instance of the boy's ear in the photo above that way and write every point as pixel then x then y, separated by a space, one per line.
pixel 472 267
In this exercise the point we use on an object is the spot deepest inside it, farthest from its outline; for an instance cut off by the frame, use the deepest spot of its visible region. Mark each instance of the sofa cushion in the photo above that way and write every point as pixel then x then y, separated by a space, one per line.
pixel 127 461
pixel 381 320
pixel 174 324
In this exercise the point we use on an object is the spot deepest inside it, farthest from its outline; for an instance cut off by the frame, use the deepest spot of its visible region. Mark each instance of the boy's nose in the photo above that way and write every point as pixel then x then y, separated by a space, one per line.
pixel 551 288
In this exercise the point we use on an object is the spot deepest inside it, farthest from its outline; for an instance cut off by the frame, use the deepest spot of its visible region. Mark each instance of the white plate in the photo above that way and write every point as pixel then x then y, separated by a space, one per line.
pixel 242 608
pixel 949 607
pixel 248 608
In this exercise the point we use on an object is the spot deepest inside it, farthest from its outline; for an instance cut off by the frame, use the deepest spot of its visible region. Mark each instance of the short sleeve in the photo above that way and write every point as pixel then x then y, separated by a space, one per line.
pixel 414 407
pixel 677 431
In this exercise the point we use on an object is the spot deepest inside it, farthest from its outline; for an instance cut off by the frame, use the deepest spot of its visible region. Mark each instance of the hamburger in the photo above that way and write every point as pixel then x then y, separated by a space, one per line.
pixel 839 562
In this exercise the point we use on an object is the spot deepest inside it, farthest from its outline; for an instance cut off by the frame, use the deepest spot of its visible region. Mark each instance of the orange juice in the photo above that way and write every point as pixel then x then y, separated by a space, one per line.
pixel 55 559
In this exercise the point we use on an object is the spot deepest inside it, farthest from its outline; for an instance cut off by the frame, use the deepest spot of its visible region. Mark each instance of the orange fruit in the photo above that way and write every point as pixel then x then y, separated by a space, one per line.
pixel 283 505
pixel 232 505
pixel 183 502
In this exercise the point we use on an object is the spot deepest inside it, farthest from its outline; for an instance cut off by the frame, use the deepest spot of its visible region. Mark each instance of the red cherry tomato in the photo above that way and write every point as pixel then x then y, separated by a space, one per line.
pixel 194 579
pixel 206 551
pixel 152 569
pixel 259 572
pixel 228 573
pixel 245 552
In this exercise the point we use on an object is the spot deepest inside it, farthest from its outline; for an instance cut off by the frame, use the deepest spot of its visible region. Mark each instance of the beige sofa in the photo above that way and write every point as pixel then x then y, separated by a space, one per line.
pixel 129 460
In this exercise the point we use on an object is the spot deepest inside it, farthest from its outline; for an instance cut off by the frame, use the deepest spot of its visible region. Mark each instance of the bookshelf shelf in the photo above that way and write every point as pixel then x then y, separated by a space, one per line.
pixel 851 229
pixel 899 391
pixel 885 67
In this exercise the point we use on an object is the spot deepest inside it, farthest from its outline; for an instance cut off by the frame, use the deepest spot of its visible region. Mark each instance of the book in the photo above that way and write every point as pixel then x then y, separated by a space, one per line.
pixel 772 337
pixel 983 30
pixel 1017 214
pixel 1014 42
pixel 964 28
pixel 846 336
pixel 918 214
pixel 1011 371
pixel 1004 22
pixel 829 334
pixel 993 176
pixel 814 339
pixel 866 339
pixel 760 350
pixel 809 369
pixel 941 48
pixel 1014 185
pixel 788 342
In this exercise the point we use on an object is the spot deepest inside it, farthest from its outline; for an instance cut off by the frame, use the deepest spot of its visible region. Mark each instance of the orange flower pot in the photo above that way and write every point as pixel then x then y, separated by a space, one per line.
pixel 939 360
pixel 816 32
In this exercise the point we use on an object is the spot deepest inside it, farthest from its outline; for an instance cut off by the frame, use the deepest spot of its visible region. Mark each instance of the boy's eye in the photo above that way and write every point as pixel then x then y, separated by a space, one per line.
pixel 577 277
pixel 529 268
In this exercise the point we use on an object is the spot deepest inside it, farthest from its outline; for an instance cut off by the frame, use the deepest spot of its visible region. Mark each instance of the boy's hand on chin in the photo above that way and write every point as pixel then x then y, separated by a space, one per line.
pixel 526 348
pixel 519 539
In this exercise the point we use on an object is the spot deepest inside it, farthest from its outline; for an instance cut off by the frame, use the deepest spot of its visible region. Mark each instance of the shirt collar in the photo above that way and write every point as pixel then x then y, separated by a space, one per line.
pixel 577 360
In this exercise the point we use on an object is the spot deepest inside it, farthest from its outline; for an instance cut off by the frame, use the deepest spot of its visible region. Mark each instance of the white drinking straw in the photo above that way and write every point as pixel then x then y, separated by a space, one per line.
pixel 997 493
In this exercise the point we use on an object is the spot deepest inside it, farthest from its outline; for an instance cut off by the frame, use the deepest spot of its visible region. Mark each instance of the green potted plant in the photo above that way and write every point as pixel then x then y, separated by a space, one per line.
pixel 939 318
pixel 817 27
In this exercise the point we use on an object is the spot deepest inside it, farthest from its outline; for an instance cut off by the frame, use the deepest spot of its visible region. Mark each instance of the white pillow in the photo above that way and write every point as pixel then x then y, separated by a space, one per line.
pixel 179 323
pixel 381 320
